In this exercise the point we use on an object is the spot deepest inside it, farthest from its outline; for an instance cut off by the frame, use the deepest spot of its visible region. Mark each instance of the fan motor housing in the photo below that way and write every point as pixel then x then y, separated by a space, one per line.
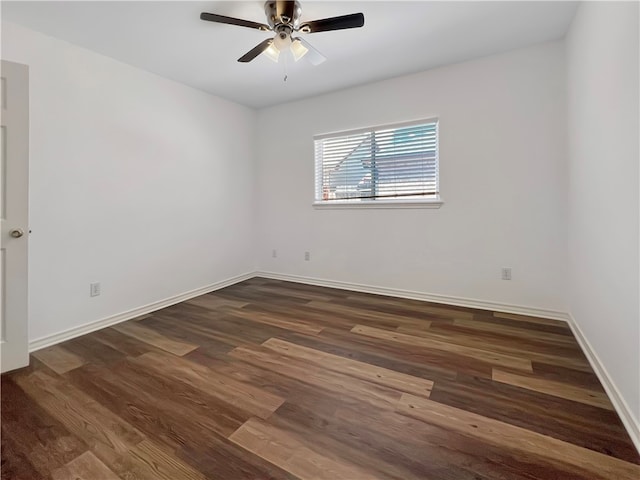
pixel 283 13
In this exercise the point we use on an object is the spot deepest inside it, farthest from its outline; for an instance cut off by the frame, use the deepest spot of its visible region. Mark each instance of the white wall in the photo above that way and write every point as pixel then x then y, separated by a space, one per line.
pixel 137 182
pixel 502 178
pixel 603 83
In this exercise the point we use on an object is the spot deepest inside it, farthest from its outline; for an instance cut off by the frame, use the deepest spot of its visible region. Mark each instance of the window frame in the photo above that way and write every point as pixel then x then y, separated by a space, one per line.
pixel 434 201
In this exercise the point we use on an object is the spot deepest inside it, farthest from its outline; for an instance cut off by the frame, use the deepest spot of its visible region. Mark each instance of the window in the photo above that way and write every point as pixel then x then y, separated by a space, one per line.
pixel 395 164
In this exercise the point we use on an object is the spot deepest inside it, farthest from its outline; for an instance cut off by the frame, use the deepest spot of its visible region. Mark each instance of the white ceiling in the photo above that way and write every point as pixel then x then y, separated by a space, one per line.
pixel 169 39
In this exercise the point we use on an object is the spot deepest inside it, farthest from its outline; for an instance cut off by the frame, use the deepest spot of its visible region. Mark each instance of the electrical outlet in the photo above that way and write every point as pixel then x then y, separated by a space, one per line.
pixel 506 273
pixel 94 289
pixel 274 253
pixel 307 256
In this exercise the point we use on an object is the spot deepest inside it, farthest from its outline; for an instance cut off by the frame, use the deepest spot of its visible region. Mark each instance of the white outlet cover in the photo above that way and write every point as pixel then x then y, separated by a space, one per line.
pixel 94 289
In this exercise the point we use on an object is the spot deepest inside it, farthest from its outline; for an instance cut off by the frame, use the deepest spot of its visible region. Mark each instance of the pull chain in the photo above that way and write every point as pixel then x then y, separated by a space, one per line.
pixel 284 66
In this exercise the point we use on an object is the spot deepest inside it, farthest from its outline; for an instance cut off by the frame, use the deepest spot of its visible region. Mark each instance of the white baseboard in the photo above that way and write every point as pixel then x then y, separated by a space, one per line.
pixel 629 420
pixel 65 335
pixel 427 297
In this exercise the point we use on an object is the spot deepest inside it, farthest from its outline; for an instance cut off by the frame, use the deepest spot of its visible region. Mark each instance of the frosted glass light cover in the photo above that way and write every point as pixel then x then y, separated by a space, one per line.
pixel 272 52
pixel 298 49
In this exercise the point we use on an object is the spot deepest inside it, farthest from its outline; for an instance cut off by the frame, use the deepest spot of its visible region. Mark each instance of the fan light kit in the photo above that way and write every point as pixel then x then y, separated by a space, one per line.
pixel 283 18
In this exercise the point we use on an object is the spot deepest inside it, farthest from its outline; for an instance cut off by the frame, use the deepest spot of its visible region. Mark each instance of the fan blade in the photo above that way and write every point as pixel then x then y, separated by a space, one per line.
pixel 255 51
pixel 213 17
pixel 355 20
pixel 313 55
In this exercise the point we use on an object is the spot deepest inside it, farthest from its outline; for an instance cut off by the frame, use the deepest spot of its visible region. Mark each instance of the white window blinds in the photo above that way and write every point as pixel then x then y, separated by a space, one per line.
pixel 392 162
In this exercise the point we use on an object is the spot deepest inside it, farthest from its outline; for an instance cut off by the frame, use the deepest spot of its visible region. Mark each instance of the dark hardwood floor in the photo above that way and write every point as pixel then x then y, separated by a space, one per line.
pixel 275 380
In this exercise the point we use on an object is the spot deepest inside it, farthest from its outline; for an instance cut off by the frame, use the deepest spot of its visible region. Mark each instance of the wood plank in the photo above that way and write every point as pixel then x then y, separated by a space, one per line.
pixel 113 440
pixel 192 332
pixel 504 340
pixel 135 410
pixel 528 319
pixel 556 356
pixel 291 454
pixel 484 355
pixel 371 373
pixel 573 422
pixel 58 359
pixel 162 464
pixel 294 390
pixel 223 325
pixel 152 337
pixel 121 342
pixel 567 375
pixel 44 440
pixel 522 332
pixel 294 287
pixel 391 445
pixel 274 320
pixel 319 377
pixel 311 315
pixel 433 451
pixel 250 294
pixel 557 389
pixel 84 467
pixel 105 433
pixel 176 330
pixel 15 464
pixel 409 308
pixel 172 397
pixel 212 301
pixel 245 396
pixel 357 315
pixel 298 293
pixel 361 349
pixel 170 419
pixel 92 350
pixel 554 328
pixel 222 459
pixel 427 363
pixel 502 434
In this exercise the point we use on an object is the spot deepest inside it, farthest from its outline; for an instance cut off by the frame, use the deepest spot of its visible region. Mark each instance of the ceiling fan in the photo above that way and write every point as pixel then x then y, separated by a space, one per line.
pixel 283 18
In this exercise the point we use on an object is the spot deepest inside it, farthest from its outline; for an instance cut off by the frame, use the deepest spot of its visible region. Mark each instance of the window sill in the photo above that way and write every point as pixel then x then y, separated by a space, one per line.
pixel 339 205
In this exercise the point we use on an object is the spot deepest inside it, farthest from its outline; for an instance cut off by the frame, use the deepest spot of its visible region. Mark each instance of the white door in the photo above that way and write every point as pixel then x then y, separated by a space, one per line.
pixel 14 177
